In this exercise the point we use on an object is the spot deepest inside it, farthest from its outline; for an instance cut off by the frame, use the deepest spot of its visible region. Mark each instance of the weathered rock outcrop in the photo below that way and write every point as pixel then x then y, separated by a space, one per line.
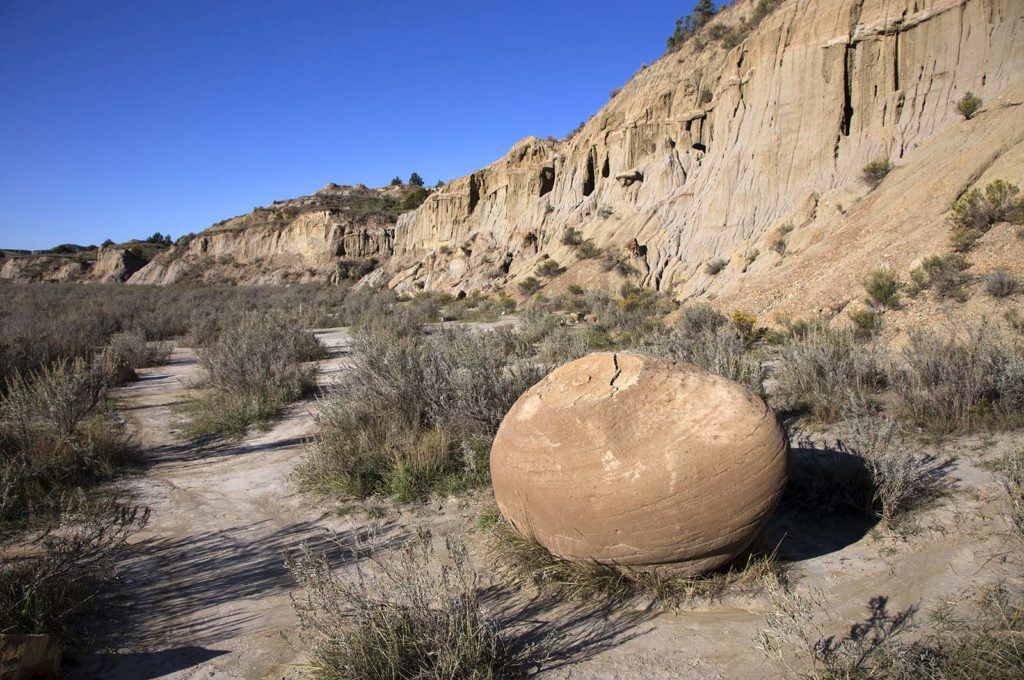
pixel 107 264
pixel 320 237
pixel 640 462
pixel 714 153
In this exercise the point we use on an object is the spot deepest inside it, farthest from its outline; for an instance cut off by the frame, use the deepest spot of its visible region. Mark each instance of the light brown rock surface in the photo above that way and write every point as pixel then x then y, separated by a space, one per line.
pixel 639 461
pixel 815 92
pixel 106 264
pixel 308 239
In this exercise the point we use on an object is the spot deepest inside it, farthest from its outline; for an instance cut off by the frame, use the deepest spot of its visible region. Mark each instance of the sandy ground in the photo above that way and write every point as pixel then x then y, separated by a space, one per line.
pixel 205 592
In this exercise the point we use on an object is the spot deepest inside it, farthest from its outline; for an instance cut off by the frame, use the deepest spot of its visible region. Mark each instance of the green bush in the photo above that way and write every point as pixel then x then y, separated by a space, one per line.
pixel 882 288
pixel 615 260
pixel 689 26
pixel 968 105
pixel 587 250
pixel 978 211
pixel 549 268
pixel 866 322
pixel 529 286
pixel 944 274
pixel 875 171
pixel 571 237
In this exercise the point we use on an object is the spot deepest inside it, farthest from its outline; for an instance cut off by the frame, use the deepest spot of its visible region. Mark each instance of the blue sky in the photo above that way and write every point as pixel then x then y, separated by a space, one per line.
pixel 120 118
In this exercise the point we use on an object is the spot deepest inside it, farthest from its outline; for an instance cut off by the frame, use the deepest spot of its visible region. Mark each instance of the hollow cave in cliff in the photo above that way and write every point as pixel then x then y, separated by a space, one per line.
pixel 547 180
pixel 589 180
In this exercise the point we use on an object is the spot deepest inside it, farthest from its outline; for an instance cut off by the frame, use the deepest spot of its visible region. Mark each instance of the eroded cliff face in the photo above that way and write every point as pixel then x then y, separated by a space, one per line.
pixel 108 264
pixel 318 238
pixel 715 153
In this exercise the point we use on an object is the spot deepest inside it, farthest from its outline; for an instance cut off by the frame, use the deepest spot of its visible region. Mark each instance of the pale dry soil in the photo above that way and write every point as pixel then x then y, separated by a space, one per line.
pixel 205 593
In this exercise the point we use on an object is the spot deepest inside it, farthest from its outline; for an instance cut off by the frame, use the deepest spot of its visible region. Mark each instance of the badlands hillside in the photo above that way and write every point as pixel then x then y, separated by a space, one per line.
pixel 728 170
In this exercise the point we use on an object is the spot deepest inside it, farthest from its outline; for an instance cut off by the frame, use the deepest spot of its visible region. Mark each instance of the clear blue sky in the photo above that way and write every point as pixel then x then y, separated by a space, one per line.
pixel 125 117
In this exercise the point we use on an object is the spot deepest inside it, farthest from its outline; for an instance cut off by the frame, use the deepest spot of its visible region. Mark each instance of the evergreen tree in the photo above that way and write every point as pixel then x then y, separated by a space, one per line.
pixel 415 180
pixel 702 12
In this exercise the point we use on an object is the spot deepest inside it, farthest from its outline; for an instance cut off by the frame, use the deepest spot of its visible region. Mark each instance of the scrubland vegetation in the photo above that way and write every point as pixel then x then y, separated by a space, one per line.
pixel 40 323
pixel 59 438
pixel 414 417
pixel 404 617
pixel 255 365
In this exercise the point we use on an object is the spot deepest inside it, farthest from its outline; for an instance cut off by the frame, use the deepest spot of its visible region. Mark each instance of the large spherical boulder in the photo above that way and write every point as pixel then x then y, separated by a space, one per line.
pixel 639 461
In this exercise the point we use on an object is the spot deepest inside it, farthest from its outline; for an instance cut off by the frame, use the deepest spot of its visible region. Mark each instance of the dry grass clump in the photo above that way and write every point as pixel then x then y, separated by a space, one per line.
pixel 1000 283
pixel 55 434
pixel 948 384
pixel 615 260
pixel 901 480
pixel 991 645
pixel 1012 470
pixel 45 587
pixel 704 337
pixel 402 616
pixel 598 322
pixel 132 348
pixel 58 437
pixel 828 373
pixel 255 366
pixel 525 562
pixel 416 413
pixel 715 266
pixel 871 470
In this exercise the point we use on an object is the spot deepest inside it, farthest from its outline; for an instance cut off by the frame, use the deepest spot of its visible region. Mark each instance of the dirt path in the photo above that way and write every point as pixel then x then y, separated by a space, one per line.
pixel 206 591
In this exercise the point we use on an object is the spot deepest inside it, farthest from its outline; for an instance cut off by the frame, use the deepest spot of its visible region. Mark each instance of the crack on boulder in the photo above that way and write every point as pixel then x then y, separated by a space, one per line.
pixel 615 376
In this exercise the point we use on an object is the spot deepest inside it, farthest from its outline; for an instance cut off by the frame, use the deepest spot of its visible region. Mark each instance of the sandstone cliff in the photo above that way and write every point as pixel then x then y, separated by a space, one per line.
pixel 106 264
pixel 718 152
pixel 335 233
